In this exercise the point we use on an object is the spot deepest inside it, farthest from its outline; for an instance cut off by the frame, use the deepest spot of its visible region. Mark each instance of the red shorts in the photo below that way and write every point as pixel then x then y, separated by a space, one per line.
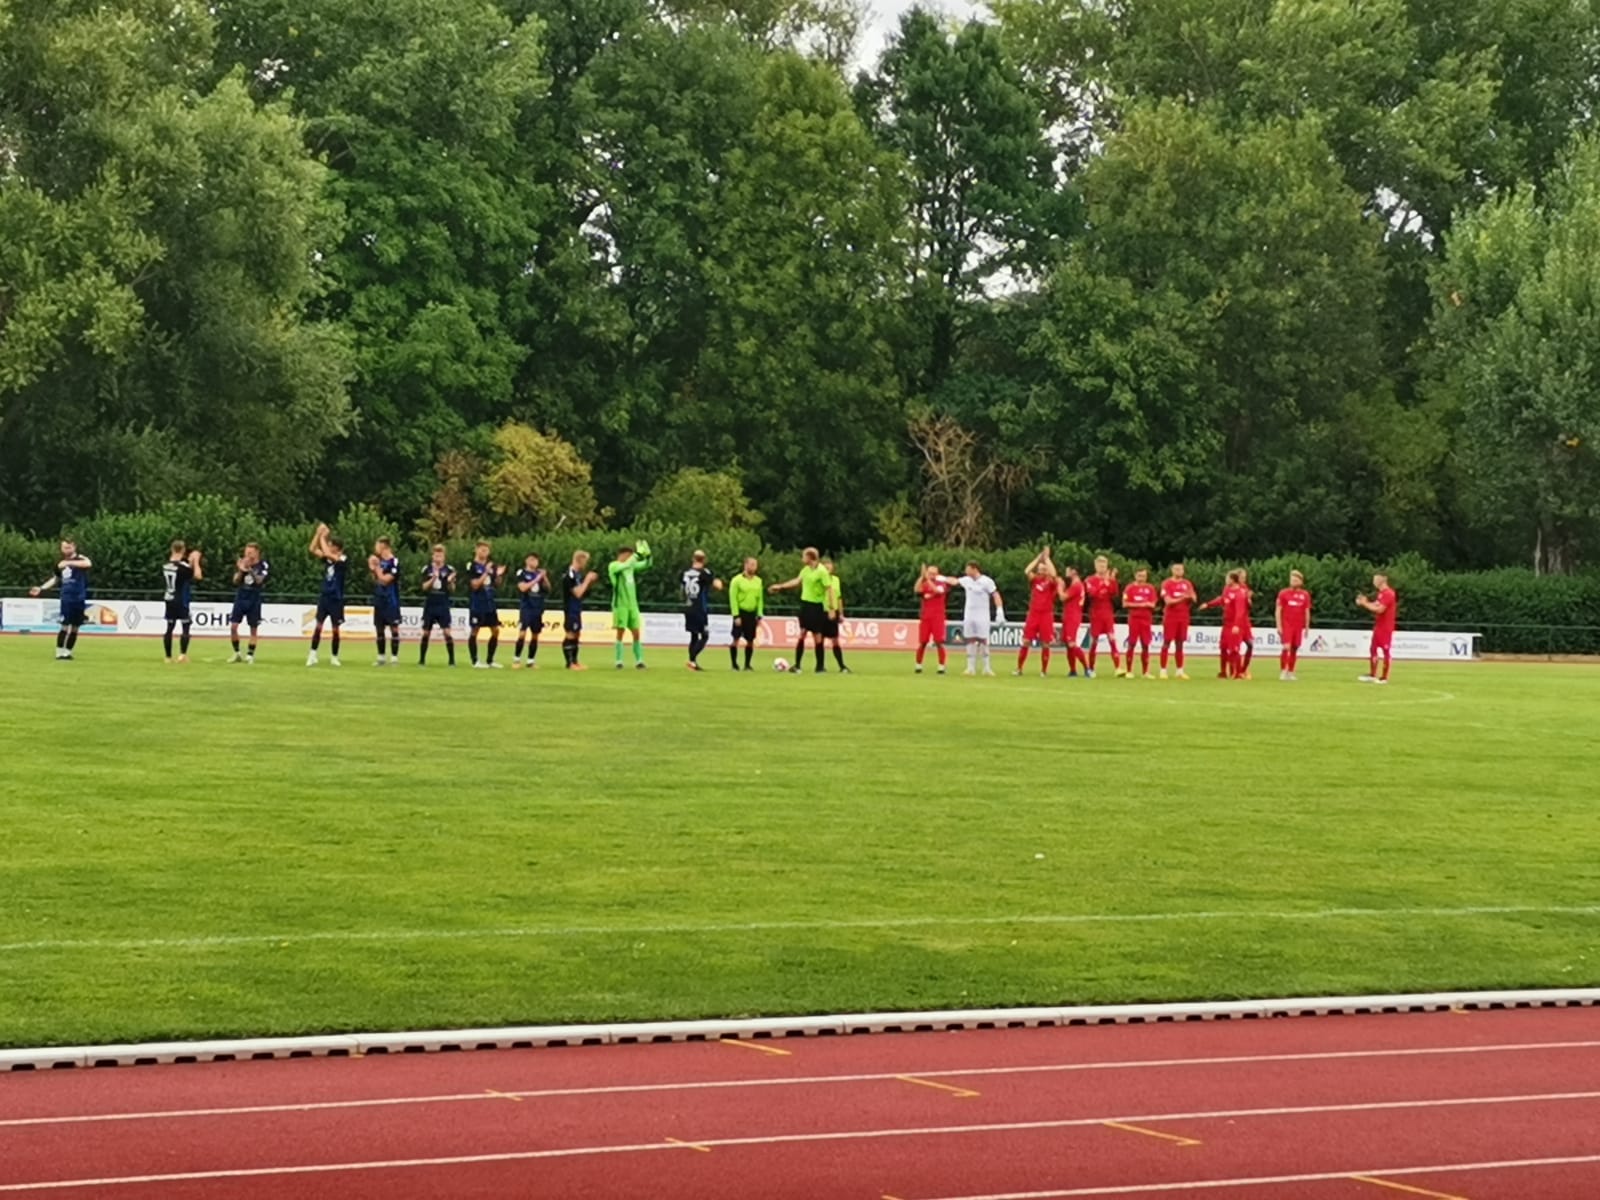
pixel 1384 642
pixel 1175 629
pixel 1102 625
pixel 930 631
pixel 1140 632
pixel 1040 629
pixel 1292 637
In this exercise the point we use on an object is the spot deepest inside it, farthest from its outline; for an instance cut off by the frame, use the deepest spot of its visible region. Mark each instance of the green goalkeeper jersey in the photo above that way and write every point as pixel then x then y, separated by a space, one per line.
pixel 624 587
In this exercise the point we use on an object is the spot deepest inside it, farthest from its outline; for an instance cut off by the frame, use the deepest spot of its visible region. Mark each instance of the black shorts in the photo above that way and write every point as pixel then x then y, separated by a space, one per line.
pixel 486 620
pixel 696 622
pixel 179 612
pixel 830 627
pixel 329 609
pixel 246 613
pixel 745 626
pixel 813 618
pixel 385 616
pixel 532 619
pixel 74 612
pixel 436 618
pixel 572 621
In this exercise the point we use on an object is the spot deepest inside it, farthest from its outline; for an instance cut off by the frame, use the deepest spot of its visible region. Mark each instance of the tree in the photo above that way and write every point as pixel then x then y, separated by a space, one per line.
pixel 159 256
pixel 984 201
pixel 700 500
pixel 1516 352
pixel 538 481
pixel 1203 339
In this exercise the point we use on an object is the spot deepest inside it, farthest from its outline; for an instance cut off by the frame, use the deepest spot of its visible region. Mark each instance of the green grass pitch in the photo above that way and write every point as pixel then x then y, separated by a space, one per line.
pixel 213 850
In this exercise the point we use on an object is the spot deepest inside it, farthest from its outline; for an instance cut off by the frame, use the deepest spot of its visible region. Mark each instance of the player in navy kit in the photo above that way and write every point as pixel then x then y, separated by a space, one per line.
pixel 482 575
pixel 385 568
pixel 250 578
pixel 72 577
pixel 697 585
pixel 179 574
pixel 575 585
pixel 330 604
pixel 438 582
pixel 533 582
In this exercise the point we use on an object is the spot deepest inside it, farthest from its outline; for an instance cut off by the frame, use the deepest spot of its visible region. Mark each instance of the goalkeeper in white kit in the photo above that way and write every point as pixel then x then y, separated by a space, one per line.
pixel 975 624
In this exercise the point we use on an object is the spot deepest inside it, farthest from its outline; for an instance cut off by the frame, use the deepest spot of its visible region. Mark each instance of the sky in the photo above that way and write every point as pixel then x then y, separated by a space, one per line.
pixel 884 15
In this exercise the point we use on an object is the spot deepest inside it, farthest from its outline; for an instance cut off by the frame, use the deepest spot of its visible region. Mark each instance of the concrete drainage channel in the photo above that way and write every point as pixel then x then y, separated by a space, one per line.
pixel 360 1045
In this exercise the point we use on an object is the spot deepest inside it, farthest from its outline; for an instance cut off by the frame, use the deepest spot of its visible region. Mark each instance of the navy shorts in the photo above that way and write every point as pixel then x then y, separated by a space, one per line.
pixel 572 621
pixel 532 618
pixel 486 620
pixel 247 612
pixel 329 609
pixel 436 618
pixel 74 612
pixel 178 612
pixel 385 616
pixel 696 622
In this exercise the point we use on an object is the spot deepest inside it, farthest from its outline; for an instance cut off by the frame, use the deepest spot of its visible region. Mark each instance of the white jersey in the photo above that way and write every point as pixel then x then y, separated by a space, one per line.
pixel 975 618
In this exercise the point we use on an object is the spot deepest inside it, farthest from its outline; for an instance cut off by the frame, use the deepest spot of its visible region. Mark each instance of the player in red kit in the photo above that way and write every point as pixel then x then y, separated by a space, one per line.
pixel 1101 589
pixel 932 589
pixel 1177 600
pixel 1294 616
pixel 1139 598
pixel 1247 633
pixel 1039 629
pixel 1072 621
pixel 1383 607
pixel 1229 602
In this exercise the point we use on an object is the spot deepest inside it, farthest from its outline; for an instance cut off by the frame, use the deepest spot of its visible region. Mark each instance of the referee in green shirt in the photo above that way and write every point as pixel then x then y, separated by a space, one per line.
pixel 813 584
pixel 747 601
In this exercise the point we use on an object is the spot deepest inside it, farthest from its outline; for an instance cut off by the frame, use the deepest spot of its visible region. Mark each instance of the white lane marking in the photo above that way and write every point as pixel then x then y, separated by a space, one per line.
pixel 783 1139
pixel 625 1089
pixel 207 941
pixel 1203 1185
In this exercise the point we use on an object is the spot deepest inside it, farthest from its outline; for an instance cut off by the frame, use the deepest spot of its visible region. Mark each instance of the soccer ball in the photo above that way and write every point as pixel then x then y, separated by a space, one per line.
pixel 780 664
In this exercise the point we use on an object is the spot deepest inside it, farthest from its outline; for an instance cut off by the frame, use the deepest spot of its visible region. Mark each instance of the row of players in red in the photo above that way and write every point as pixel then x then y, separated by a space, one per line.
pixel 1177 597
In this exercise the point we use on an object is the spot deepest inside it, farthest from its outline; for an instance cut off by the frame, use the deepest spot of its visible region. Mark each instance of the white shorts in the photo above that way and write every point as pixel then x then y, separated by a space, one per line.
pixel 975 629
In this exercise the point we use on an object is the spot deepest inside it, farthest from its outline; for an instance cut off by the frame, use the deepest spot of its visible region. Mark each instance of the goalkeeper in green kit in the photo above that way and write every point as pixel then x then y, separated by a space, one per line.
pixel 625 615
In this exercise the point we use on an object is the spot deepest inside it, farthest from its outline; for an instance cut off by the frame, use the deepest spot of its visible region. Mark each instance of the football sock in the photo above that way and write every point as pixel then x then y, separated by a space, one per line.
pixel 617 652
pixel 166 638
pixel 72 637
pixel 450 648
pixel 1022 657
pixel 1249 653
pixel 494 644
pixel 942 655
pixel 1178 654
pixel 733 655
pixel 472 647
pixel 334 641
pixel 533 649
pixel 422 646
pixel 638 651
pixel 316 636
pixel 183 642
pixel 972 656
pixel 61 638
pixel 822 661
pixel 921 651
pixel 235 640
pixel 1044 659
pixel 838 655
pixel 749 653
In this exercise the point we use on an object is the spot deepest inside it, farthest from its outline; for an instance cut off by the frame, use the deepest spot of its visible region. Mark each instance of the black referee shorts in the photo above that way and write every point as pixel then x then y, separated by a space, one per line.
pixel 813 618
pixel 745 626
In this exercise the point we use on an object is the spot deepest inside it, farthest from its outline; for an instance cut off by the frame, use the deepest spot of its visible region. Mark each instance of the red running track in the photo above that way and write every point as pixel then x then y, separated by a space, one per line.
pixel 1478 1105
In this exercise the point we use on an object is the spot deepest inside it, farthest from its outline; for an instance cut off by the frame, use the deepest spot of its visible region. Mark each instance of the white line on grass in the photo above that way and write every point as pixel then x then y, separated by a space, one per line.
pixel 849 1135
pixel 790 1081
pixel 205 941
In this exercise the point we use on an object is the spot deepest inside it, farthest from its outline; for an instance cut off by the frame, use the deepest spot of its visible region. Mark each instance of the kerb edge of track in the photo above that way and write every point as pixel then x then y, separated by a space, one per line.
pixel 355 1045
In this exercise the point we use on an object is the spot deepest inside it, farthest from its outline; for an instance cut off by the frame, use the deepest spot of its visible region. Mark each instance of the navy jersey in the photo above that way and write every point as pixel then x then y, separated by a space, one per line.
pixel 436 585
pixel 177 579
pixel 570 583
pixel 387 595
pixel 482 597
pixel 533 598
pixel 252 580
pixel 696 585
pixel 74 584
pixel 333 573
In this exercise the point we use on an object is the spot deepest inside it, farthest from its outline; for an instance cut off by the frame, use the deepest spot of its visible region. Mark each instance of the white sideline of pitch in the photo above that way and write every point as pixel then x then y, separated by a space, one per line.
pixel 425 1041
pixel 205 941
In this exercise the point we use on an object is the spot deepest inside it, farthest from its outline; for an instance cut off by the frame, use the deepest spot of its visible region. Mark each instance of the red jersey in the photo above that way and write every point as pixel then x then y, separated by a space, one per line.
pixel 933 593
pixel 1072 604
pixel 1295 605
pixel 1384 622
pixel 1102 596
pixel 1134 599
pixel 1234 603
pixel 1241 611
pixel 1176 597
pixel 1042 592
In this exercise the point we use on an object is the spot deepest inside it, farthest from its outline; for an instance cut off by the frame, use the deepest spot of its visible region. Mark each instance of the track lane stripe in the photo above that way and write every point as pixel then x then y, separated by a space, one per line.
pixel 860 1135
pixel 624 1089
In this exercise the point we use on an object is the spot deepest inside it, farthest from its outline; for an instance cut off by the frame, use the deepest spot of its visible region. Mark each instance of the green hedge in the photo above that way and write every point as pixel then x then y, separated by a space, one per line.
pixel 1516 611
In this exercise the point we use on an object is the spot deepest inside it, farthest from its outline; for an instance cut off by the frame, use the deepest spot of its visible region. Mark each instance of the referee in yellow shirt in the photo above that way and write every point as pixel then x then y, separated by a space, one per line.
pixel 747 601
